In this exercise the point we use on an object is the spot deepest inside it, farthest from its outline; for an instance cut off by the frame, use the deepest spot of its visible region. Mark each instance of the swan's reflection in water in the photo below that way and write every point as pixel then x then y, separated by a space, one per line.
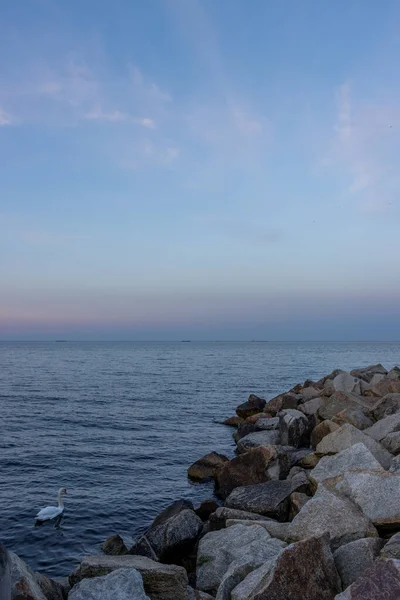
pixel 56 523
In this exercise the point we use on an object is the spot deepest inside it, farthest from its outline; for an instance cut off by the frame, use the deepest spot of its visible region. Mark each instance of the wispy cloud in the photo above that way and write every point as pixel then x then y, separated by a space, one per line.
pixel 5 118
pixel 117 116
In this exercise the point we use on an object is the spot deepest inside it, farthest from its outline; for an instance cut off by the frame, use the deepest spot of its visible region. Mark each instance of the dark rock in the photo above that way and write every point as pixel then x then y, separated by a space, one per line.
pixel 248 468
pixel 161 582
pixel 380 582
pixel 367 373
pixel 114 546
pixel 356 557
pixel 206 467
pixel 392 443
pixel 258 439
pixel 53 590
pixel 394 373
pixel 386 386
pixel 388 405
pixel 121 584
pixel 383 427
pixel 392 547
pixel 172 534
pixel 206 508
pixel 294 428
pixel 253 406
pixel 354 416
pixel 271 499
pixel 233 421
pixel 322 430
pixel 302 571
pixel 283 401
pixel 309 461
pixel 311 407
pixel 5 574
pixel 244 429
pixel 24 585
pixel 297 501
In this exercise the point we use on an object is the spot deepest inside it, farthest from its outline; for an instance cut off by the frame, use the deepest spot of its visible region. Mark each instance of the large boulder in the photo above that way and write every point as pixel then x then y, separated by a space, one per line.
pixel 271 499
pixel 392 442
pixel 230 548
pixel 25 584
pixel 276 530
pixel 367 373
pixel 294 428
pixel 387 385
pixel 161 582
pixel 122 584
pixel 392 548
pixel 394 373
pixel 383 427
pixel 253 406
pixel 311 407
pixel 380 582
pixel 288 400
pixel 347 436
pixel 206 467
pixel 114 545
pixel 250 426
pixel 354 558
pixel 258 439
pixel 233 421
pixel 5 574
pixel 354 416
pixel 346 383
pixel 172 534
pixel 355 457
pixel 388 405
pixel 376 494
pixel 53 590
pixel 322 430
pixel 340 401
pixel 246 469
pixel 302 571
pixel 329 511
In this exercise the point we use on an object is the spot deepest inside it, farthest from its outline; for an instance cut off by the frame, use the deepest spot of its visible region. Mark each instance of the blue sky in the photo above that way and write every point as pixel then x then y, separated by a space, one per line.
pixel 200 168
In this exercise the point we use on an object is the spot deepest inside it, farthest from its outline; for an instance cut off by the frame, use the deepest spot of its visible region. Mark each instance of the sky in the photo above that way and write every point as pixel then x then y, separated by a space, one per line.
pixel 201 169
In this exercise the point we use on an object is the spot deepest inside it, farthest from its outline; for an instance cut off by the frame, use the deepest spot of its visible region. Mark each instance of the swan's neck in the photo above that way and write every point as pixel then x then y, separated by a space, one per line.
pixel 60 500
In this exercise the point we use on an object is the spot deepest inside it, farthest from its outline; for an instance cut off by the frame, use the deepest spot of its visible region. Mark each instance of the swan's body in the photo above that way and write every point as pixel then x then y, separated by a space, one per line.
pixel 51 512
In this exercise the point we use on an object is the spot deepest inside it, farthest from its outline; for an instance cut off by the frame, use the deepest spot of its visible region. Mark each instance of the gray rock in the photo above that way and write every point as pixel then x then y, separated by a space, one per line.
pixel 310 407
pixel 23 581
pixel 340 401
pixel 270 499
pixel 367 373
pixel 392 443
pixel 329 511
pixel 355 457
pixel 347 436
pixel 376 494
pixel 172 534
pixel 257 440
pixel 302 571
pixel 309 393
pixel 53 590
pixel 267 423
pixel 346 383
pixel 276 530
pixel 392 548
pixel 355 417
pixel 222 514
pixel 5 574
pixel 388 405
pixel 206 467
pixel 236 572
pixel 297 501
pixel 386 386
pixel 354 558
pixel 322 430
pixel 395 465
pixel 294 428
pixel 161 582
pixel 122 584
pixel 114 546
pixel 383 427
pixel 394 373
pixel 198 595
pixel 219 549
pixel 380 582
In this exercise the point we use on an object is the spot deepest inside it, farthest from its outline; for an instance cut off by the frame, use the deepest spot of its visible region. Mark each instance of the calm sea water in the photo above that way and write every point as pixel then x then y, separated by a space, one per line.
pixel 119 423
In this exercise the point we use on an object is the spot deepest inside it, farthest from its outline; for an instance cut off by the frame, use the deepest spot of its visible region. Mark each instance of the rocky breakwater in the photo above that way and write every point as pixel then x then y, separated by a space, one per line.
pixel 308 509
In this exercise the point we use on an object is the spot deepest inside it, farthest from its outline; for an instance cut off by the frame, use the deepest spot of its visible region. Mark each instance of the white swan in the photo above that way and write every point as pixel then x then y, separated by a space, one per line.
pixel 51 512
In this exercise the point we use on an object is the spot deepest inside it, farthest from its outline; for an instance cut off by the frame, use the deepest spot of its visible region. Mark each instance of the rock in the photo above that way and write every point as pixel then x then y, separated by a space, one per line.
pixel 276 530
pixel 271 499
pixel 322 430
pixel 206 467
pixel 392 442
pixel 355 457
pixel 309 393
pixel 5 574
pixel 297 501
pixel 114 546
pixel 354 416
pixel 377 495
pixel 206 508
pixel 310 461
pixel 392 548
pixel 122 584
pixel 354 558
pixel 380 582
pixel 347 436
pixel 289 400
pixel 233 421
pixel 294 428
pixel 340 401
pixel 395 465
pixel 161 582
pixel 386 386
pixel 258 439
pixel 262 424
pixel 53 590
pixel 198 595
pixel 219 549
pixel 388 405
pixel 253 406
pixel 24 585
pixel 302 571
pixel 329 511
pixel 246 469
pixel 266 423
pixel 310 407
pixel 223 514
pixel 383 427
pixel 344 382
pixel 172 534
pixel 367 373
pixel 394 373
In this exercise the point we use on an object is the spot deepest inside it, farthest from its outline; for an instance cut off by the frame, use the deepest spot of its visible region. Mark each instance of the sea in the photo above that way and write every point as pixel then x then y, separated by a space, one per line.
pixel 118 424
